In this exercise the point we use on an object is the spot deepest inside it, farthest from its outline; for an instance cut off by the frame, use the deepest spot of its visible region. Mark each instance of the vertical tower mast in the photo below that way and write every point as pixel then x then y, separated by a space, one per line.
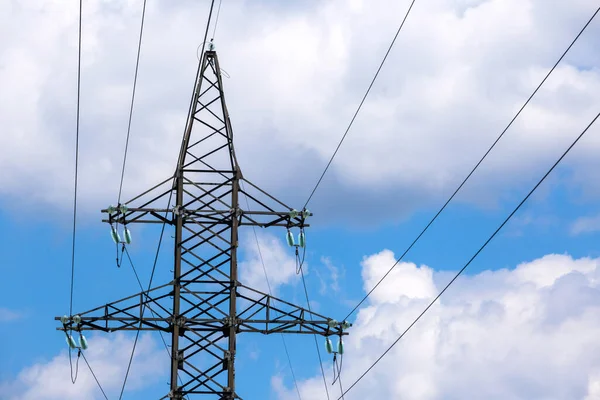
pixel 210 306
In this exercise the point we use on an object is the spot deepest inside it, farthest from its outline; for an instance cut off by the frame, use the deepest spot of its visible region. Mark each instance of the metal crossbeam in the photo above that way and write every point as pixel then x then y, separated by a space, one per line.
pixel 202 312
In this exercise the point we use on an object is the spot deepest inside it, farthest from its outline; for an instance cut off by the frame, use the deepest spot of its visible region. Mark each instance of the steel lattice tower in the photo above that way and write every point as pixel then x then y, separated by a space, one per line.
pixel 210 306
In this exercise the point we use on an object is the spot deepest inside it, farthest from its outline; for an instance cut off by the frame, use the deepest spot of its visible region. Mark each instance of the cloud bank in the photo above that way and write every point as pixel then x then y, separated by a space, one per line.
pixel 526 333
pixel 456 76
pixel 108 358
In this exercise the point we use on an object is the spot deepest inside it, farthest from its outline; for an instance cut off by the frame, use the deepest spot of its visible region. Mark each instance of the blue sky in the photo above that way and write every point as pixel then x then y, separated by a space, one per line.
pixel 453 81
pixel 43 291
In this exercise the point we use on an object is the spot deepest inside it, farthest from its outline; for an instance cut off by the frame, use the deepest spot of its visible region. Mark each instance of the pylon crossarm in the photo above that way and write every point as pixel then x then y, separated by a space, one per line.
pixel 127 314
pixel 164 188
pixel 208 206
pixel 151 202
pixel 267 315
pixel 264 193
pixel 202 216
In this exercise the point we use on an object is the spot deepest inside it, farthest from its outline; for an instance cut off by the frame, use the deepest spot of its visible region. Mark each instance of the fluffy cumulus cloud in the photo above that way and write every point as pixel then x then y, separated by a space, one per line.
pixel 270 257
pixel 108 357
pixel 526 333
pixel 457 74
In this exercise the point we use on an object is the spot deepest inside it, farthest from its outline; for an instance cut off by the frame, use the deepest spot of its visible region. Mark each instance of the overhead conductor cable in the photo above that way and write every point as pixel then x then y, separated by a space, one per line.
pixel 476 253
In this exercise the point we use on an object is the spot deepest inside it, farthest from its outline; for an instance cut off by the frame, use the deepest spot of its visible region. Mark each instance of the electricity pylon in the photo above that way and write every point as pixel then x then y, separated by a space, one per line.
pixel 205 306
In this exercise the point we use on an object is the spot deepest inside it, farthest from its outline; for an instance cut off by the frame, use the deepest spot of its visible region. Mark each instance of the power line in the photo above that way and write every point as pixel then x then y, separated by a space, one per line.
pixel 339 375
pixel 187 121
pixel 331 160
pixel 299 270
pixel 361 103
pixel 163 225
pixel 80 353
pixel 135 76
pixel 137 277
pixel 94 375
pixel 76 161
pixel 314 336
pixel 137 64
pixel 309 309
pixel 287 353
pixel 478 251
pixel 476 166
pixel 137 335
pixel 262 261
pixel 74 378
pixel 217 19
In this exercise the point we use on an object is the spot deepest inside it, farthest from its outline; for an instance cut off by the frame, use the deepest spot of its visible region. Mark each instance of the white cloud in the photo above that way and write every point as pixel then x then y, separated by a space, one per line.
pixel 526 333
pixel 279 263
pixel 411 282
pixel 585 225
pixel 593 392
pixel 455 77
pixel 107 356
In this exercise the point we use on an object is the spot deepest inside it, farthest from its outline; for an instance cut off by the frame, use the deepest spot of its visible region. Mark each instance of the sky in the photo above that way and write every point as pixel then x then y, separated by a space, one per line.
pixel 522 322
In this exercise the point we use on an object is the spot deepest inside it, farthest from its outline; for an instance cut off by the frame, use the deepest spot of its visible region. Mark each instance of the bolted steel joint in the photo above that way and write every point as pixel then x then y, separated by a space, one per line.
pixel 177 321
pixel 175 395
